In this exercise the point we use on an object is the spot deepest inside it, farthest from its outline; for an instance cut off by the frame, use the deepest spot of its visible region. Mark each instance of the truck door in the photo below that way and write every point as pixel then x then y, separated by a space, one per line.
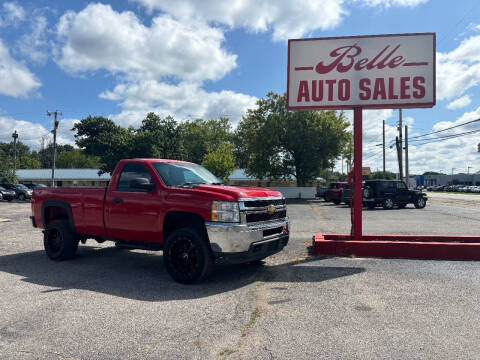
pixel 132 206
pixel 403 195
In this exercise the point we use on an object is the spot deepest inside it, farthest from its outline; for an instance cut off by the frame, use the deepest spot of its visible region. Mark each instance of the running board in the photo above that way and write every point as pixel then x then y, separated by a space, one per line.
pixel 138 245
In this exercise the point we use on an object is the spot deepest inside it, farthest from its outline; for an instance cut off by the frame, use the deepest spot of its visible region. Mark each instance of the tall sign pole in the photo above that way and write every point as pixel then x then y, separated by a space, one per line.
pixel 383 143
pixel 400 160
pixel 357 173
pixel 55 126
pixel 407 175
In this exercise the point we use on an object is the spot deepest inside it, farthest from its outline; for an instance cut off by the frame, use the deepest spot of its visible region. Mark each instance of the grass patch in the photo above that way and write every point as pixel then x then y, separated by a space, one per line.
pixel 255 315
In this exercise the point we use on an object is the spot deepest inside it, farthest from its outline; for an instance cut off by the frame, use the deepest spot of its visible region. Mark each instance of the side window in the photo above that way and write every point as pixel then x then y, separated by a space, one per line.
pixel 401 186
pixel 135 177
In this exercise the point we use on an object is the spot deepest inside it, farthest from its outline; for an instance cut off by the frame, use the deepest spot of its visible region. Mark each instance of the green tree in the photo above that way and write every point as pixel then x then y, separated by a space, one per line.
pixel 99 136
pixel 379 175
pixel 220 162
pixel 76 159
pixel 204 136
pixel 277 143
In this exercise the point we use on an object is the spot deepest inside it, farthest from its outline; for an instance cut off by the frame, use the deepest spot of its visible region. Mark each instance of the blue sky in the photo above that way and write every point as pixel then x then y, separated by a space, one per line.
pixel 187 58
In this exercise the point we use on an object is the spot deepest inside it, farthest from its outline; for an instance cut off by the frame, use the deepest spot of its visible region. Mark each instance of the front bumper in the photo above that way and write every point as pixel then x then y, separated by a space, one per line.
pixel 237 243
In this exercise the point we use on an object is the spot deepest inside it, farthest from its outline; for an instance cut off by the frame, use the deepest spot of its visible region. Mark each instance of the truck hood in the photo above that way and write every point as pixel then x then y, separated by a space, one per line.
pixel 240 192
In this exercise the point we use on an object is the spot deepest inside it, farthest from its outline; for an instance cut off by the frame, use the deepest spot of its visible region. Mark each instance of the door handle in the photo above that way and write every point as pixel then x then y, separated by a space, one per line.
pixel 117 200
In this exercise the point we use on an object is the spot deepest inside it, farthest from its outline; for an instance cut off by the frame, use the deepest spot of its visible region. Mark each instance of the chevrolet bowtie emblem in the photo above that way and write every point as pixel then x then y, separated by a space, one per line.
pixel 271 209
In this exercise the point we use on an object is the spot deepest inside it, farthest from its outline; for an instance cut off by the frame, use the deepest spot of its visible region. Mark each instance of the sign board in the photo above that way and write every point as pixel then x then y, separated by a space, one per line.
pixel 376 72
pixel 366 171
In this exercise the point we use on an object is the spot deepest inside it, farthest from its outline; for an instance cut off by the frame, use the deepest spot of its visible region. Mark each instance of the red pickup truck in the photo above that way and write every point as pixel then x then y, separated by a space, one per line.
pixel 334 192
pixel 174 206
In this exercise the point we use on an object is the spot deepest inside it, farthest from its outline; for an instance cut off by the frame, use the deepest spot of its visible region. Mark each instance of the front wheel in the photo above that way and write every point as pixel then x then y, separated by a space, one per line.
pixel 60 241
pixel 388 203
pixel 21 197
pixel 420 202
pixel 187 256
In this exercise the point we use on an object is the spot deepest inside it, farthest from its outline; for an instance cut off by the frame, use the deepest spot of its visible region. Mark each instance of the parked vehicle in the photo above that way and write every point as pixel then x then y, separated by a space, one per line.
pixel 334 192
pixel 33 185
pixel 21 192
pixel 320 191
pixel 7 194
pixel 174 206
pixel 390 193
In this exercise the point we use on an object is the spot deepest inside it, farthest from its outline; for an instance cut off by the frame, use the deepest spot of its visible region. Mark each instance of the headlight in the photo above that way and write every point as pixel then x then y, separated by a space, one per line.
pixel 225 211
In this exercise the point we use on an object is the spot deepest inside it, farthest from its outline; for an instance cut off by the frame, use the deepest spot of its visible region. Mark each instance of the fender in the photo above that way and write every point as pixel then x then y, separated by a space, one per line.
pixel 61 204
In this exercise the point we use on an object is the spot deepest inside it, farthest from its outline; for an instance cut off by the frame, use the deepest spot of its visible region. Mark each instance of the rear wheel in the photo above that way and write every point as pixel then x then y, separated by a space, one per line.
pixel 187 256
pixel 420 202
pixel 388 203
pixel 60 241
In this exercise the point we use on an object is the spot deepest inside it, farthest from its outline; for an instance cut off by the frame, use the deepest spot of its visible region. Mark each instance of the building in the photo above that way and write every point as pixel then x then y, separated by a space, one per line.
pixel 64 177
pixel 452 179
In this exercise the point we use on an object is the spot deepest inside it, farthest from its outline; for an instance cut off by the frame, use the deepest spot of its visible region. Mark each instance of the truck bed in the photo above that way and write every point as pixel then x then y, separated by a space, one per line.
pixel 86 206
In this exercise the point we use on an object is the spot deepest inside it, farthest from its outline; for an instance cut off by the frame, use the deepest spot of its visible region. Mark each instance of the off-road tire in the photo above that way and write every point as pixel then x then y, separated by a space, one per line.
pixel 388 203
pixel 187 256
pixel 60 241
pixel 420 202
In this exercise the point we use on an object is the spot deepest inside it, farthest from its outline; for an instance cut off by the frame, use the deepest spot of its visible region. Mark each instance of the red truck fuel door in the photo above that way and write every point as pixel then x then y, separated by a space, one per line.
pixel 132 208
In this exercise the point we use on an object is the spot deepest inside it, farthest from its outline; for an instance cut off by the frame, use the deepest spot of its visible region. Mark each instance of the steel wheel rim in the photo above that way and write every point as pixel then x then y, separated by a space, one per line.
pixel 54 240
pixel 421 202
pixel 389 203
pixel 184 256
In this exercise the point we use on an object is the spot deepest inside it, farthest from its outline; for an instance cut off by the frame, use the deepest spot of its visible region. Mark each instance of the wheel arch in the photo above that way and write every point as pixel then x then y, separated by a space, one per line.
pixel 175 220
pixel 57 210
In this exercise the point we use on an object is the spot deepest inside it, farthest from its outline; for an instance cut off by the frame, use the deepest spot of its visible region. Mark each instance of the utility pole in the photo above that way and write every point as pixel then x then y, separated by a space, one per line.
pixel 15 137
pixel 55 126
pixel 384 171
pixel 400 162
pixel 398 144
pixel 406 156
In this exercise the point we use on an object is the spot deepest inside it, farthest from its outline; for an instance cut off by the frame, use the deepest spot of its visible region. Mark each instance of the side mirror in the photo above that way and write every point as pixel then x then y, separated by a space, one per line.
pixel 141 184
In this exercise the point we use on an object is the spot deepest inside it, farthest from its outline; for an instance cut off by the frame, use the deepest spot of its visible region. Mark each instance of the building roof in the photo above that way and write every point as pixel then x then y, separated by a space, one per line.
pixel 61 174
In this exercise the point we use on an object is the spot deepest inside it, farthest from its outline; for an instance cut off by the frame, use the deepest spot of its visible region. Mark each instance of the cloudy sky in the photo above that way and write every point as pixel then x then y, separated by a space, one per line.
pixel 191 59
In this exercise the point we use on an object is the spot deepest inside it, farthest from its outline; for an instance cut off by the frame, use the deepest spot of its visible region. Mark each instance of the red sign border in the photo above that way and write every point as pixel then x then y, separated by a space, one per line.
pixel 363 106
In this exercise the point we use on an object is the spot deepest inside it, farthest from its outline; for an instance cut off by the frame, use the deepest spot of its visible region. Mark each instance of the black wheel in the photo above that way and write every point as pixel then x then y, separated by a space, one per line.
pixel 60 241
pixel 388 203
pixel 367 192
pixel 336 202
pixel 21 197
pixel 420 202
pixel 187 256
pixel 371 205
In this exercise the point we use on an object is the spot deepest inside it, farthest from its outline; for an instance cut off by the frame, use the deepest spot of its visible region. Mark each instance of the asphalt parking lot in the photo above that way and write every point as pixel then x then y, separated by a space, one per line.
pixel 109 303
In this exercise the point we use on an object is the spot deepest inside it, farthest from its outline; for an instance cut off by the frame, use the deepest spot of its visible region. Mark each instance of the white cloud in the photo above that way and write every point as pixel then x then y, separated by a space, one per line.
pixel 31 133
pixel 98 37
pixel 183 101
pixel 33 44
pixel 15 78
pixel 460 103
pixel 287 19
pixel 390 3
pixel 11 14
pixel 458 70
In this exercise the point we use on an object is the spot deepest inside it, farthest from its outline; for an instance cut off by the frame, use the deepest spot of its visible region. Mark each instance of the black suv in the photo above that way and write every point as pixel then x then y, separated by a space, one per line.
pixel 389 193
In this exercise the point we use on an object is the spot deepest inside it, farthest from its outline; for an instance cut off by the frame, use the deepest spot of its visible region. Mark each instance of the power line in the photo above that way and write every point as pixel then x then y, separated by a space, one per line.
pixel 449 128
pixel 446 137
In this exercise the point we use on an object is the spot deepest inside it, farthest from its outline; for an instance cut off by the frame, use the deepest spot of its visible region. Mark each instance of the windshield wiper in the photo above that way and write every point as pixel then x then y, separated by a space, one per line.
pixel 216 183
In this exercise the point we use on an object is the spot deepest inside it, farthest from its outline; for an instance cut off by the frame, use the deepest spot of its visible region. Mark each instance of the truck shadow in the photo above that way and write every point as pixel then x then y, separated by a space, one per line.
pixel 141 276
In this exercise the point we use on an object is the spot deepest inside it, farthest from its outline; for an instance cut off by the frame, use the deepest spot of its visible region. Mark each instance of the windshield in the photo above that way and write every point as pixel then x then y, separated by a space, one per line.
pixel 2 189
pixel 178 174
pixel 21 187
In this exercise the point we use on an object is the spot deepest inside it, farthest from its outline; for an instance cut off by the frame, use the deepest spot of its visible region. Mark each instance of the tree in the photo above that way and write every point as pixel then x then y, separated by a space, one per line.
pixel 99 136
pixel 220 162
pixel 76 159
pixel 277 143
pixel 203 136
pixel 379 175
